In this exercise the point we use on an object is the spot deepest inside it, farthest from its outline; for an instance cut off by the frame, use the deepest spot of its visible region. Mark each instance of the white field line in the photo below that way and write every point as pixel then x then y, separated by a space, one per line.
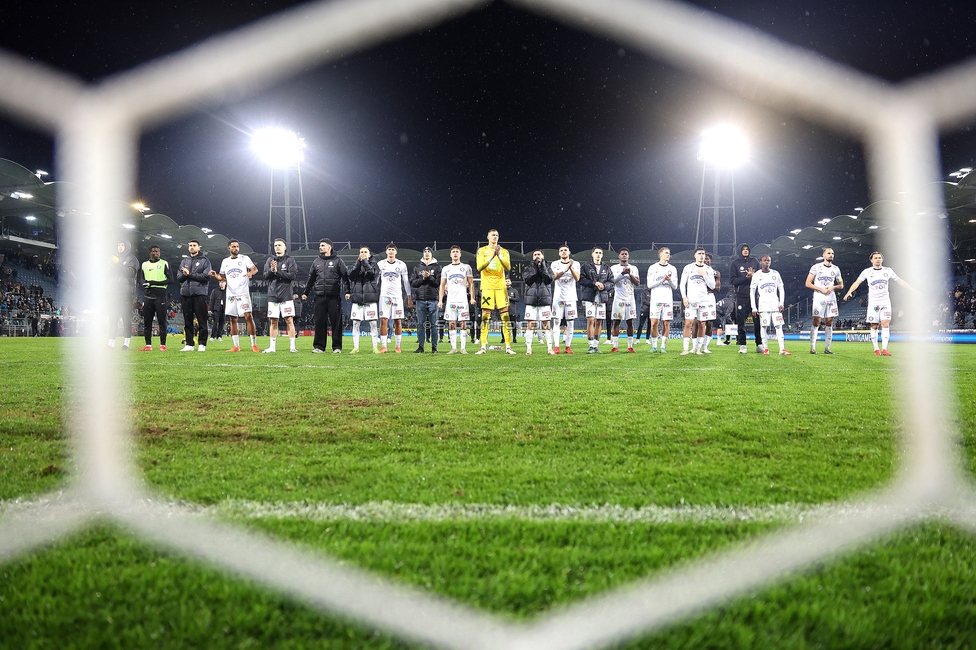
pixel 387 511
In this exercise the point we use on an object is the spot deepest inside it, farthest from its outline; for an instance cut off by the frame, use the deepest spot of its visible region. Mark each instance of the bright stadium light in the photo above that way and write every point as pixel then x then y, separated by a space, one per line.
pixel 279 148
pixel 31 217
pixel 723 147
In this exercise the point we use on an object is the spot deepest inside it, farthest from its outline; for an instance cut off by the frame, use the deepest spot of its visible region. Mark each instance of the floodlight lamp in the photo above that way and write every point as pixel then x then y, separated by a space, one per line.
pixel 40 172
pixel 824 222
pixel 21 195
pixel 141 207
pixel 837 238
pixel 31 217
pixel 165 236
pixel 874 227
pixel 279 148
pixel 797 231
pixel 128 226
pixel 724 147
pixel 859 210
pixel 206 230
pixel 966 170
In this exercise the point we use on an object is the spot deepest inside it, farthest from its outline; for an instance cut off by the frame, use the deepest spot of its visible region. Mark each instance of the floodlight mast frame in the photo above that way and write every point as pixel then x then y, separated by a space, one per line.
pixel 287 169
pixel 721 208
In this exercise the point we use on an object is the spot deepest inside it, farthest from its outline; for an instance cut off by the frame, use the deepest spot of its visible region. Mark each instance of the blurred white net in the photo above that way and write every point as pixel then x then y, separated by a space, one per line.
pixel 97 131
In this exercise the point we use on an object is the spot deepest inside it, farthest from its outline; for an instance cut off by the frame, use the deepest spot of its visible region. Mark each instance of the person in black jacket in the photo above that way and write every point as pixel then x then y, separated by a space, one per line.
pixel 126 268
pixel 194 278
pixel 426 282
pixel 216 306
pixel 364 296
pixel 538 278
pixel 329 278
pixel 595 283
pixel 740 276
pixel 280 270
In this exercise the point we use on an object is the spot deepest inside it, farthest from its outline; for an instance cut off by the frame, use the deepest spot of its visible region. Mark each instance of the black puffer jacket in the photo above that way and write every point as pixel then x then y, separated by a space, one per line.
pixel 362 282
pixel 197 282
pixel 538 284
pixel 279 282
pixel 327 277
pixel 426 289
pixel 589 276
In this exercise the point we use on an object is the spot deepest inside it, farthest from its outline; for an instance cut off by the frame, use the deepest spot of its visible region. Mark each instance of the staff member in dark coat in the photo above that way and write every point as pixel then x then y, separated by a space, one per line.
pixel 426 282
pixel 216 306
pixel 329 279
pixel 194 278
pixel 740 275
pixel 155 276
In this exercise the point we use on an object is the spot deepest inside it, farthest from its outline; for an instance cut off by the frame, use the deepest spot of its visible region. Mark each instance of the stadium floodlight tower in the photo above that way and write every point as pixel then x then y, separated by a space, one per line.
pixel 723 148
pixel 284 151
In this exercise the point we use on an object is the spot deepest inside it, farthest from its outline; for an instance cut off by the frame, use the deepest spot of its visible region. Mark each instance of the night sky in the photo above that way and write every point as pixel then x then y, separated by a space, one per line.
pixel 496 119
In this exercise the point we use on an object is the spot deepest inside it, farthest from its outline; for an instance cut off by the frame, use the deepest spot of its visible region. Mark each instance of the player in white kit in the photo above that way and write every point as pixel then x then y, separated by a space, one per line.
pixel 566 273
pixel 457 280
pixel 237 271
pixel 878 277
pixel 625 278
pixel 662 280
pixel 766 295
pixel 394 284
pixel 696 279
pixel 825 279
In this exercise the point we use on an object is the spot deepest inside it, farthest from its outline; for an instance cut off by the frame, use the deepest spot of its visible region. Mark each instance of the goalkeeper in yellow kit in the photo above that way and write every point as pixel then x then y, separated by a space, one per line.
pixel 493 262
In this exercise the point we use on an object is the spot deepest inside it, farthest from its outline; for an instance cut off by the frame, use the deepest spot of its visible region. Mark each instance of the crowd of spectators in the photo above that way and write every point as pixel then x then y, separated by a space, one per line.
pixel 22 300
pixel 963 305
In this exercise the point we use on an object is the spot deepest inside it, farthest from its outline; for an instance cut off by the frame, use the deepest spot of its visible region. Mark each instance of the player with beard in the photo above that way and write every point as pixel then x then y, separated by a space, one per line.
pixel 825 279
pixel 194 277
pixel 280 271
pixel 538 279
pixel 237 270
pixel 566 273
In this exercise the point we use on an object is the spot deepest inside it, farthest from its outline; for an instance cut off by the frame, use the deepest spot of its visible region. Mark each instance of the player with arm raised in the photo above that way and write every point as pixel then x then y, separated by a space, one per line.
pixel 767 295
pixel 625 278
pixel 493 263
pixel 566 273
pixel 696 279
pixel 457 281
pixel 878 278
pixel 237 270
pixel 662 280
pixel 825 280
pixel 364 296
pixel 281 270
pixel 394 284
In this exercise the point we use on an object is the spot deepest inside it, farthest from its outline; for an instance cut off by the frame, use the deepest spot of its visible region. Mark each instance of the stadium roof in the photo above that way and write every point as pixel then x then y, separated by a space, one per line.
pixel 852 237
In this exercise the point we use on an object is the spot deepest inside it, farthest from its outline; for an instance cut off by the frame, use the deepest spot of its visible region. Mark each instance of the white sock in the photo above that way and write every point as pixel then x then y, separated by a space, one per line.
pixel 271 346
pixel 555 332
pixel 254 340
pixel 464 339
pixel 706 341
pixel 780 339
pixel 874 337
pixel 374 331
pixel 355 334
pixel 885 335
pixel 237 340
pixel 630 341
pixel 568 337
pixel 383 340
pixel 528 342
pixel 614 340
pixel 452 337
pixel 291 343
pixel 398 338
pixel 654 343
pixel 814 331
pixel 828 335
pixel 685 343
pixel 663 341
pixel 549 339
pixel 126 341
pixel 111 343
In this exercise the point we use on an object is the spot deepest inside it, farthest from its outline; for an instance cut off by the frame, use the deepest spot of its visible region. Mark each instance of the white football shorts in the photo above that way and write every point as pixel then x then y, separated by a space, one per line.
pixel 878 312
pixel 767 318
pixel 624 309
pixel 391 308
pixel 367 311
pixel 457 312
pixel 535 313
pixel 237 305
pixel 661 310
pixel 596 310
pixel 284 309
pixel 824 307
pixel 564 309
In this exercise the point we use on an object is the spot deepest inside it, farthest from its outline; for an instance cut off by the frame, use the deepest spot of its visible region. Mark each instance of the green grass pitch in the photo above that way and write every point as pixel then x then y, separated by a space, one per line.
pixel 247 433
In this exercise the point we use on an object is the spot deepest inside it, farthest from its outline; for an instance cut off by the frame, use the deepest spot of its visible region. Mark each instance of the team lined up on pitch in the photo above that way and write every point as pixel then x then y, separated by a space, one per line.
pixel 379 290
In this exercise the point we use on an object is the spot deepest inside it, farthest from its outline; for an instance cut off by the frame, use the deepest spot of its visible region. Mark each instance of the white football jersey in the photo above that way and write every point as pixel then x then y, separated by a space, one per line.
pixel 456 277
pixel 696 281
pixel 393 279
pixel 825 276
pixel 767 291
pixel 622 283
pixel 565 287
pixel 662 290
pixel 235 270
pixel 877 280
